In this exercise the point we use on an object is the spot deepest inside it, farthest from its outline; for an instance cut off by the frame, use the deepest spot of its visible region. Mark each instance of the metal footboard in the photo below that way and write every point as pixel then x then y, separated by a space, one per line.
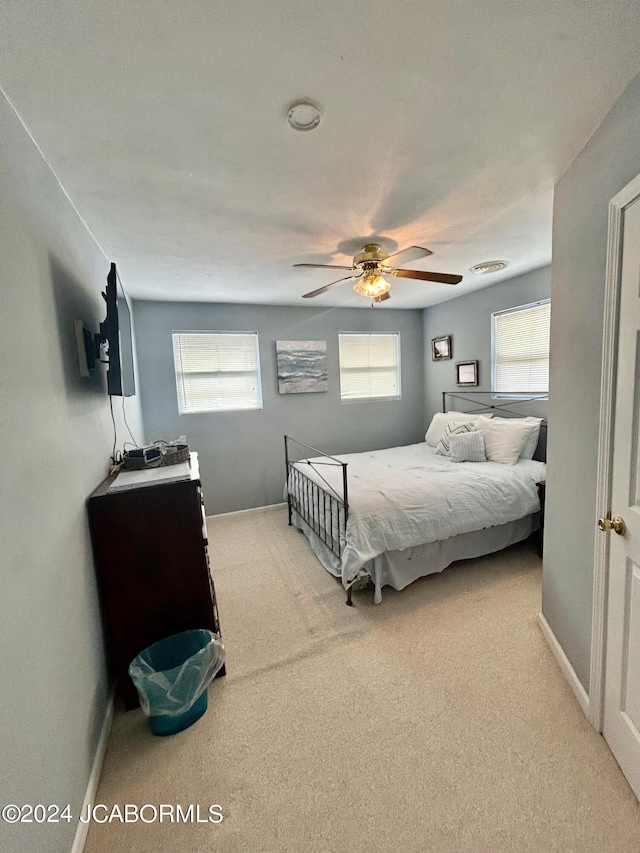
pixel 323 508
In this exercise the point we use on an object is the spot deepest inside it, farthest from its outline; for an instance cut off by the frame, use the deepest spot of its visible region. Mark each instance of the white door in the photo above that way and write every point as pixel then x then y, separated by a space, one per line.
pixel 622 682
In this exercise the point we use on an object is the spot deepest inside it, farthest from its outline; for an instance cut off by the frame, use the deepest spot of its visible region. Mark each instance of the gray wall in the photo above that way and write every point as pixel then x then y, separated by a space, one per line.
pixel 468 320
pixel 241 453
pixel 608 162
pixel 56 437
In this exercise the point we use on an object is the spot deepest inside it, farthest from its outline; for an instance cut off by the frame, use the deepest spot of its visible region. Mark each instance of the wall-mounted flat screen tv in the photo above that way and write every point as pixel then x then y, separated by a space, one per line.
pixel 116 333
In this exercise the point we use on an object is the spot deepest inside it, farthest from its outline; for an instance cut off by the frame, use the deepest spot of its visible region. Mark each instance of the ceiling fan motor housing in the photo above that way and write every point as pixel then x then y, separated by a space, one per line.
pixel 370 257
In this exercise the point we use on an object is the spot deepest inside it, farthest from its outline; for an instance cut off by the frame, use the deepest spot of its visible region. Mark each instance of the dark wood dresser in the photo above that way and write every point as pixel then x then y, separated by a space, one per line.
pixel 149 535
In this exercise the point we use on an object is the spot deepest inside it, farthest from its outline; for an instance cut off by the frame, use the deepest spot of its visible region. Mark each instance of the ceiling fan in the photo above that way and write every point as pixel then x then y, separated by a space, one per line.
pixel 371 265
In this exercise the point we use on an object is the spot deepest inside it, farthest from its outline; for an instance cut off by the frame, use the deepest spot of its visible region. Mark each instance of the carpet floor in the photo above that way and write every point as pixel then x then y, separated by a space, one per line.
pixel 437 721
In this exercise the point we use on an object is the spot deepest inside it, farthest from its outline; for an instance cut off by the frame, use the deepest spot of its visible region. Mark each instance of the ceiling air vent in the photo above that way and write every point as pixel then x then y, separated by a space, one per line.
pixel 488 266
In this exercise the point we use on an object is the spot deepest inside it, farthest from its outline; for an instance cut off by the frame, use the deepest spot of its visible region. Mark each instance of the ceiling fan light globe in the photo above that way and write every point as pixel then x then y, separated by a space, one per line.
pixel 371 286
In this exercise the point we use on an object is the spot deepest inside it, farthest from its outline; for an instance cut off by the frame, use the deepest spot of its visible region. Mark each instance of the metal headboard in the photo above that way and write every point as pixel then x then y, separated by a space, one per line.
pixel 507 406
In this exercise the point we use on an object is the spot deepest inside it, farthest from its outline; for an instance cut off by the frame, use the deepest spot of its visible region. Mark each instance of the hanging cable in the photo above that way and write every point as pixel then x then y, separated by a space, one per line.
pixel 113 452
pixel 124 415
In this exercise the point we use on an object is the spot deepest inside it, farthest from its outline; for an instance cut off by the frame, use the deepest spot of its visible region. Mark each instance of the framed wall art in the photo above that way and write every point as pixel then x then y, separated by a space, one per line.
pixel 466 372
pixel 302 367
pixel 441 348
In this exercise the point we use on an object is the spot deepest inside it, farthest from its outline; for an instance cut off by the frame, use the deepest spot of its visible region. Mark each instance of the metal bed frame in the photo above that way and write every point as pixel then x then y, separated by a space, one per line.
pixel 324 510
pixel 501 408
pixel 509 400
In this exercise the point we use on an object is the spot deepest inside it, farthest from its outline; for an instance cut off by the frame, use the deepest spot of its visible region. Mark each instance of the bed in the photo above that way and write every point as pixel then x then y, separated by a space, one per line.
pixel 391 516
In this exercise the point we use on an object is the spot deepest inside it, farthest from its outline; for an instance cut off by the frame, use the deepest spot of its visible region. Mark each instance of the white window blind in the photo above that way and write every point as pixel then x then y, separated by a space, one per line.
pixel 521 350
pixel 217 371
pixel 369 365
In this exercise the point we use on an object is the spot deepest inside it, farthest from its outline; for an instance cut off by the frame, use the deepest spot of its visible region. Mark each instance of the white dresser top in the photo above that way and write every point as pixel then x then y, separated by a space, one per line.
pixel 157 476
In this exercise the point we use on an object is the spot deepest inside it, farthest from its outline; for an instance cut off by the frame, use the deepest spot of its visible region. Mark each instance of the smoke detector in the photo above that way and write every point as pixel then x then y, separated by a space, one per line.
pixel 488 266
pixel 303 116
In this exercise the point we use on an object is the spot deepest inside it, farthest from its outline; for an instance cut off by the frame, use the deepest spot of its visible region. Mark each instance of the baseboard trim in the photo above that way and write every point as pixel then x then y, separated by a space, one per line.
pixel 567 670
pixel 270 507
pixel 82 829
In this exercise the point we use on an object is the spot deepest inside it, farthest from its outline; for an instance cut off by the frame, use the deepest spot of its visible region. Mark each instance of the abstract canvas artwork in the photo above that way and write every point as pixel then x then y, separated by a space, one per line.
pixel 302 367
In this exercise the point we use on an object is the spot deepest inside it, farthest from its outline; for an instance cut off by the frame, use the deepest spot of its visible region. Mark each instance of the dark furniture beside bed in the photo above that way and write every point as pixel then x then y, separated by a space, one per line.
pixel 542 487
pixel 152 564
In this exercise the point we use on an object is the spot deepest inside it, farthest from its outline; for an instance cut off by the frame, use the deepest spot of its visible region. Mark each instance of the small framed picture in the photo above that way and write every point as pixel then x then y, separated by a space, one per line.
pixel 466 372
pixel 441 348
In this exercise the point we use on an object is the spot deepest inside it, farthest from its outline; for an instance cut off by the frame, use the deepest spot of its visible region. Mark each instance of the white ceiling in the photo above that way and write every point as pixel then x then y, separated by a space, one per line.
pixel 445 124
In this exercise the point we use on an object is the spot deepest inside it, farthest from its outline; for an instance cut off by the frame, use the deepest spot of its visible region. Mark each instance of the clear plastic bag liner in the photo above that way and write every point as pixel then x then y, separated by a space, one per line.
pixel 172 674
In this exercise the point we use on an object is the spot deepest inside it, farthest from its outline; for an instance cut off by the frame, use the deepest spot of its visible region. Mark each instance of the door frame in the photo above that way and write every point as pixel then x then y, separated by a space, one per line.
pixel 617 206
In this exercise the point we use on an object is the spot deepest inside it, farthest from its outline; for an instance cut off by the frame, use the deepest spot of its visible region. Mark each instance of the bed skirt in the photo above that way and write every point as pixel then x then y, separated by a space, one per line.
pixel 400 568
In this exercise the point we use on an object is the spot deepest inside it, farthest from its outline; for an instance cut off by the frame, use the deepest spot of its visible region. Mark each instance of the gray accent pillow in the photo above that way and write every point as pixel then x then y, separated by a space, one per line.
pixel 467 447
pixel 454 428
pixel 441 419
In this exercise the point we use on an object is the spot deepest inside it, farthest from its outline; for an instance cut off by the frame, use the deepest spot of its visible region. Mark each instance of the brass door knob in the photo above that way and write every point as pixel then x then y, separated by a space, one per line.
pixel 616 523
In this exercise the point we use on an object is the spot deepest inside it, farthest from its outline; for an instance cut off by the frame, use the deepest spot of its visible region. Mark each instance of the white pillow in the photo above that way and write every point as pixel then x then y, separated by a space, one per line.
pixel 534 433
pixel 504 439
pixel 440 420
pixel 454 428
pixel 467 447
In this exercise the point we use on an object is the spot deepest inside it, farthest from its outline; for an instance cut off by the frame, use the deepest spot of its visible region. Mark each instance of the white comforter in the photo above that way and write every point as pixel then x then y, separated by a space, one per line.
pixel 407 496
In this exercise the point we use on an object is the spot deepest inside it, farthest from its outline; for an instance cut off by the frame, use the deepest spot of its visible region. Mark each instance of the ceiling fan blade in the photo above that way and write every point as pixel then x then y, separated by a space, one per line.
pixel 411 253
pixel 324 266
pixel 327 286
pixel 383 297
pixel 441 277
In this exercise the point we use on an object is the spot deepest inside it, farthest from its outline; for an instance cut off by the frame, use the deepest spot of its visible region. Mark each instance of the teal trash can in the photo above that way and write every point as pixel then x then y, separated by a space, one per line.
pixel 172 677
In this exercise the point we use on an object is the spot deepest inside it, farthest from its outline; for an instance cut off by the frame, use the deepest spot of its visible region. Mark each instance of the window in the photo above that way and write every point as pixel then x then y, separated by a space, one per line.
pixel 369 365
pixel 521 349
pixel 217 371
